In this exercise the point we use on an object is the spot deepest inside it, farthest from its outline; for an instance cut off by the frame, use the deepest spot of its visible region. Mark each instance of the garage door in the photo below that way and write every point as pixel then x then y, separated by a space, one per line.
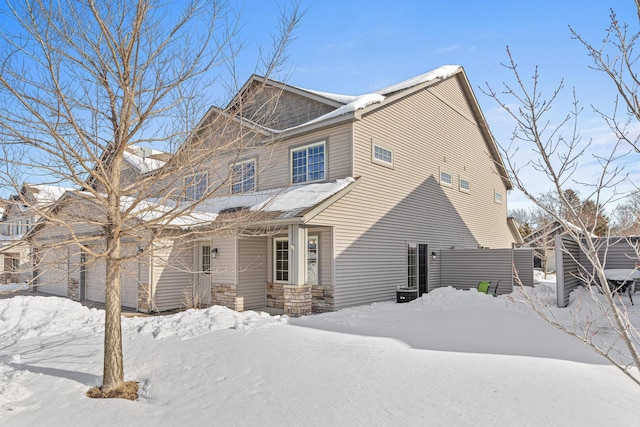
pixel 96 273
pixel 129 281
pixel 52 272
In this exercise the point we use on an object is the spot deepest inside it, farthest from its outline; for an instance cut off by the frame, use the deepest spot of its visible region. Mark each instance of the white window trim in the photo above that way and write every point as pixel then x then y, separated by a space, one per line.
pixel 414 246
pixel 307 146
pixel 255 174
pixel 317 238
pixel 460 180
pixel 444 183
pixel 497 196
pixel 275 259
pixel 378 161
pixel 204 268
pixel 193 175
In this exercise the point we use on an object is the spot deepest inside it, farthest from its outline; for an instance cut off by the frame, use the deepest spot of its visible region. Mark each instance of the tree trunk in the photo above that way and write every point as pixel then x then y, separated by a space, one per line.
pixel 113 375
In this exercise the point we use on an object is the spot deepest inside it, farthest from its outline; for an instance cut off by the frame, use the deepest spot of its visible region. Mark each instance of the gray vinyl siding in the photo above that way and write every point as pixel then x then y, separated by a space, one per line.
pixel 252 271
pixel 568 269
pixel 523 263
pixel 392 206
pixel 621 253
pixel 465 268
pixel 172 274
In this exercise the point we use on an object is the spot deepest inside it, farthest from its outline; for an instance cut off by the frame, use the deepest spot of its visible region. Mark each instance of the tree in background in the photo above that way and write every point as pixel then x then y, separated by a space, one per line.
pixel 83 82
pixel 627 217
pixel 557 151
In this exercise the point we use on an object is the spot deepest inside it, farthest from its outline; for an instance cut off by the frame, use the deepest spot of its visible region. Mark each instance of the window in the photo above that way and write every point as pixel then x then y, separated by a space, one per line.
pixel 412 265
pixel 465 187
pixel 18 227
pixel 205 259
pixel 243 177
pixel 381 155
pixel 446 178
pixel 195 186
pixel 312 260
pixel 308 163
pixel 498 197
pixel 281 260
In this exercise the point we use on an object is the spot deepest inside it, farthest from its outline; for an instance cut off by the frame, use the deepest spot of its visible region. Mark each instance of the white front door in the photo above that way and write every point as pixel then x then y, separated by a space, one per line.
pixel 202 285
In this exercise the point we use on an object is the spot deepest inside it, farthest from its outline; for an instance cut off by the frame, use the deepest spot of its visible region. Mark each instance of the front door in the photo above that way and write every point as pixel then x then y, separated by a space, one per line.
pixel 202 285
pixel 423 269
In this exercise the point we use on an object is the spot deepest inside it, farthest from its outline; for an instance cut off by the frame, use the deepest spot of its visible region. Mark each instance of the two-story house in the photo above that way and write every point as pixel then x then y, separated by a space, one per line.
pixel 19 215
pixel 346 198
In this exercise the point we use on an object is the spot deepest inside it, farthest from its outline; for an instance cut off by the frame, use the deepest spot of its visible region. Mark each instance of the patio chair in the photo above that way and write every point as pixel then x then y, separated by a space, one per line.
pixel 485 287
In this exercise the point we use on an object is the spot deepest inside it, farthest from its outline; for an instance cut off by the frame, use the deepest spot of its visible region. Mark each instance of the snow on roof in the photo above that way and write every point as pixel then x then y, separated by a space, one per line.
pixel 358 102
pixel 439 73
pixel 293 199
pixel 290 201
pixel 43 193
pixel 140 158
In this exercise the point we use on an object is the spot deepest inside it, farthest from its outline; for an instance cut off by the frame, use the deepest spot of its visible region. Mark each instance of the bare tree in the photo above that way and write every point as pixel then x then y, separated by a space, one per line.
pixel 555 150
pixel 82 84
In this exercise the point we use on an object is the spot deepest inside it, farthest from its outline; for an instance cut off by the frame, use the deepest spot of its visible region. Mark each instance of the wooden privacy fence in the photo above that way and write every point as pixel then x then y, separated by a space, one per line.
pixel 464 268
pixel 572 263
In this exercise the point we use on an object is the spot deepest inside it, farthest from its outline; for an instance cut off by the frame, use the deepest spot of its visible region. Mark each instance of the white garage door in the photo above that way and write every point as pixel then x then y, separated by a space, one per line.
pixel 52 272
pixel 95 275
pixel 95 279
pixel 129 280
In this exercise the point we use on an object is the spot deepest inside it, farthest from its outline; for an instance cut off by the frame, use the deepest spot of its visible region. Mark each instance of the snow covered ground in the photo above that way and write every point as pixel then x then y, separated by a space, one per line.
pixel 451 358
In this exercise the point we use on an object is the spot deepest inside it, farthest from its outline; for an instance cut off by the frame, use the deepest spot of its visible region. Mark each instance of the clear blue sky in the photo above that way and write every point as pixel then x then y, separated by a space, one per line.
pixel 358 46
pixel 355 47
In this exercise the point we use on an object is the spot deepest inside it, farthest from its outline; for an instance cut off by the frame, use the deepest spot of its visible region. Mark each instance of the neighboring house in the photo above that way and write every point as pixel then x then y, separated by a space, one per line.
pixel 351 196
pixel 542 240
pixel 17 219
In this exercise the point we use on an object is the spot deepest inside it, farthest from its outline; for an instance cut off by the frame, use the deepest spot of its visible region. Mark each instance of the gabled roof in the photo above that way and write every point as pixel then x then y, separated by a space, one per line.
pixel 291 204
pixel 549 230
pixel 352 107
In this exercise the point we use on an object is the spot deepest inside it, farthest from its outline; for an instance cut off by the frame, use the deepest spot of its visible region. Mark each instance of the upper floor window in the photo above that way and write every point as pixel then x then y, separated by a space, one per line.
pixel 498 197
pixel 446 178
pixel 308 163
pixel 243 177
pixel 381 155
pixel 465 186
pixel 195 186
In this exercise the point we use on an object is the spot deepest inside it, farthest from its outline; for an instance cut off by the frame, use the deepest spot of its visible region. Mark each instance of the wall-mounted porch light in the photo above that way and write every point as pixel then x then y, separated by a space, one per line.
pixel 433 255
pixel 214 252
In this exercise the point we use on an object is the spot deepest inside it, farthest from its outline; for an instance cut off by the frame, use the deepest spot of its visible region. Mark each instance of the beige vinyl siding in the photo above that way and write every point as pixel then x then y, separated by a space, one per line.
pixel 252 271
pixel 223 266
pixel 292 109
pixel 274 161
pixel 325 253
pixel 390 207
pixel 172 274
